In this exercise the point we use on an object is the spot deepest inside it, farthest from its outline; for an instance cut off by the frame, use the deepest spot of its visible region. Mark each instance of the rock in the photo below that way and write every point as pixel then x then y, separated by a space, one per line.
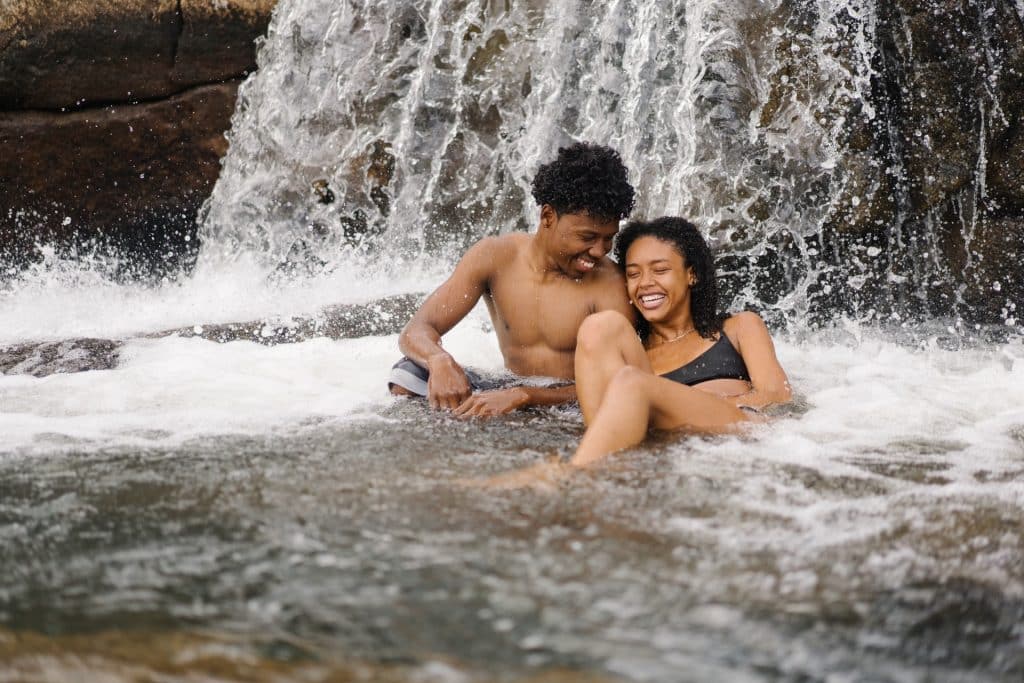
pixel 48 358
pixel 125 176
pixel 58 54
pixel 115 122
pixel 343 321
pixel 936 169
pixel 993 288
pixel 217 39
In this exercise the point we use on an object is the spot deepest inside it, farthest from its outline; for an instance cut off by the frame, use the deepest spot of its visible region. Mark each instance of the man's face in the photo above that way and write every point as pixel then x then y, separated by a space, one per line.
pixel 579 241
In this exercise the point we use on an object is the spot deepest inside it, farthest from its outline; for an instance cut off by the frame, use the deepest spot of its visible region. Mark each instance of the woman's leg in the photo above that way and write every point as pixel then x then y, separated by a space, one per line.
pixel 606 342
pixel 636 400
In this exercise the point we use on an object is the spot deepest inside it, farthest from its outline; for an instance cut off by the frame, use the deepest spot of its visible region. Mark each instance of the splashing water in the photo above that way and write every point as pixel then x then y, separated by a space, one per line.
pixel 427 121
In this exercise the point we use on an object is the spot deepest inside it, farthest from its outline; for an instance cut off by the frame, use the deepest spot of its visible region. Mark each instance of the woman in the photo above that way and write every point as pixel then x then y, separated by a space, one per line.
pixel 690 368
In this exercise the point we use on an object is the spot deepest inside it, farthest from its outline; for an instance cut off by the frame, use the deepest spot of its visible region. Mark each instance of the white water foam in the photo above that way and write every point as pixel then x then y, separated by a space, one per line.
pixel 866 397
pixel 167 391
pixel 63 300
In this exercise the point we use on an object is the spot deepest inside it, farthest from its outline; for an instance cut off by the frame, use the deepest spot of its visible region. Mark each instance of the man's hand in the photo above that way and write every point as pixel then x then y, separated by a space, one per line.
pixel 447 386
pixel 491 403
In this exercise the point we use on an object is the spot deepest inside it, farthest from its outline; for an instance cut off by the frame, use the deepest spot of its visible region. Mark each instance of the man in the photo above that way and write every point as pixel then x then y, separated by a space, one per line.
pixel 538 289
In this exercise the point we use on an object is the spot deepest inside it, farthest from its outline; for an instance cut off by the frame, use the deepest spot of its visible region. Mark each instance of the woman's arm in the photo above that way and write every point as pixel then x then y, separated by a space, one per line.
pixel 768 380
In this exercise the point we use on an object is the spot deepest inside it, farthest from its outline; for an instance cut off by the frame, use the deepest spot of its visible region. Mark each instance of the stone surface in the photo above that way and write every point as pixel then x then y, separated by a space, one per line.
pixel 48 358
pixel 124 175
pixel 112 121
pixel 68 53
pixel 937 168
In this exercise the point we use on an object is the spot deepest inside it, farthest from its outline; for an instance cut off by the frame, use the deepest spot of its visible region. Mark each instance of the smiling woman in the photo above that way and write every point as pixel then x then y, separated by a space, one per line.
pixel 690 368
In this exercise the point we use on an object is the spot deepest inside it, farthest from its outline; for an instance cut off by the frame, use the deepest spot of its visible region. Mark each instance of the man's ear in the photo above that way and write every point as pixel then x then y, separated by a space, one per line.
pixel 548 216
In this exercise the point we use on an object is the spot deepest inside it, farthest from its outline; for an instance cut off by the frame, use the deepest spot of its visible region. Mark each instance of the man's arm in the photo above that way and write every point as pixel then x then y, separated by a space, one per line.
pixel 447 386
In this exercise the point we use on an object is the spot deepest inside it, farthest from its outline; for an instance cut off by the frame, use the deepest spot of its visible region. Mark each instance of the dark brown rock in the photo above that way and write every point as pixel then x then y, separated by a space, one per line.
pixel 993 284
pixel 115 121
pixel 114 173
pixel 69 53
pixel 217 39
pixel 936 165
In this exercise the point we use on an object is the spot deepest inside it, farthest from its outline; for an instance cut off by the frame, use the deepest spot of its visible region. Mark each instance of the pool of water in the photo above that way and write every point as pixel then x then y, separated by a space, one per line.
pixel 256 512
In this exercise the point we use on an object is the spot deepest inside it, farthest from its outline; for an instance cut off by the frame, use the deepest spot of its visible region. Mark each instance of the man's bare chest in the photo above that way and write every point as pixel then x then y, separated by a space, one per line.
pixel 529 313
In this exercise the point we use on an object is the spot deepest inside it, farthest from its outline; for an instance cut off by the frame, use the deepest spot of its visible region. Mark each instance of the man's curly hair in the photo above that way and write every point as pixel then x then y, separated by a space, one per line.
pixel 585 177
pixel 687 241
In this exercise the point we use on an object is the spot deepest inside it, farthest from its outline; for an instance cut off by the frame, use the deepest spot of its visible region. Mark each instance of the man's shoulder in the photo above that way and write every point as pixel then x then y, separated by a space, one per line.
pixel 607 274
pixel 503 245
pixel 497 253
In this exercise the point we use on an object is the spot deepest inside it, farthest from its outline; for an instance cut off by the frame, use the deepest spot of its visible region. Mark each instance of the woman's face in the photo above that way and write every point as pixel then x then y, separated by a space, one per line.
pixel 658 280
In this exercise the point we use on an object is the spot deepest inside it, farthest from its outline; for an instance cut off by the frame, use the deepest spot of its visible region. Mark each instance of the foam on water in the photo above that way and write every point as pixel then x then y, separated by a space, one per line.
pixel 61 299
pixel 166 391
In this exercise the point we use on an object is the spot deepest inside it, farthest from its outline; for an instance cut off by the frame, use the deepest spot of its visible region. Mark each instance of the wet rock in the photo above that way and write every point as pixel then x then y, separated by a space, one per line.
pixel 343 321
pixel 48 358
pixel 122 50
pixel 931 165
pixel 960 623
pixel 112 121
pixel 131 177
pixel 993 285
pixel 323 191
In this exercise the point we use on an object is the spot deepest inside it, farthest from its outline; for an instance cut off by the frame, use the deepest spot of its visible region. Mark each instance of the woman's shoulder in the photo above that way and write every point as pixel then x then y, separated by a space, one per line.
pixel 742 319
pixel 736 326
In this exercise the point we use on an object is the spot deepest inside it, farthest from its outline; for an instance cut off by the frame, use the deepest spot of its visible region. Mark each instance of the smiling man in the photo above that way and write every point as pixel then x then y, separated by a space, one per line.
pixel 538 289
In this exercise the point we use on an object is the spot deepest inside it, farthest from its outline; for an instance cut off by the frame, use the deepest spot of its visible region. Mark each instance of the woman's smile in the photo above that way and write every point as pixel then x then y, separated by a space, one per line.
pixel 649 302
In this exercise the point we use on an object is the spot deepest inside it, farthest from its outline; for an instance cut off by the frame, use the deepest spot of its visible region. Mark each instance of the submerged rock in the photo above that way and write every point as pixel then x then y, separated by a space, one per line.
pixel 342 321
pixel 48 358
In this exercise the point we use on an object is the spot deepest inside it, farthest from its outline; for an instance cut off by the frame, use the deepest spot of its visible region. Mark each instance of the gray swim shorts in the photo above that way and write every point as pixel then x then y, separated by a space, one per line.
pixel 412 377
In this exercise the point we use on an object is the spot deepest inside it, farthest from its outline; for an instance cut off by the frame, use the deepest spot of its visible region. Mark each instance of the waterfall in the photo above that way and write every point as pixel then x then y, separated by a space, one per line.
pixel 425 121
pixel 401 130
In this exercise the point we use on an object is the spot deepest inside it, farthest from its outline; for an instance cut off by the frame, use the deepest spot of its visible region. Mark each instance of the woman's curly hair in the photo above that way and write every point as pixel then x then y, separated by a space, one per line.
pixel 585 177
pixel 687 240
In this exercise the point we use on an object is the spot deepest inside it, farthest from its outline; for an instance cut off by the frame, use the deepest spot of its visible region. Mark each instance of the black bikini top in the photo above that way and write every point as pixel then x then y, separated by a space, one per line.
pixel 721 361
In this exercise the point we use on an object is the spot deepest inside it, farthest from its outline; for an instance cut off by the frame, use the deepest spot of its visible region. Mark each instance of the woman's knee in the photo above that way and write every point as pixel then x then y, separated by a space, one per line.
pixel 600 329
pixel 630 381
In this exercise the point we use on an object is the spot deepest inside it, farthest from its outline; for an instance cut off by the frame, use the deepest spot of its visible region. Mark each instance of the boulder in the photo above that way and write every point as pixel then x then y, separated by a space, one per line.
pixel 112 121
pixel 131 177
pixel 63 54
pixel 936 169
pixel 342 321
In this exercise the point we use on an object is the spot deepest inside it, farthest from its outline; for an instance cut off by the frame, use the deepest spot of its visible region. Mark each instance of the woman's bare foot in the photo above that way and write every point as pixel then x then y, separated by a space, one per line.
pixel 547 476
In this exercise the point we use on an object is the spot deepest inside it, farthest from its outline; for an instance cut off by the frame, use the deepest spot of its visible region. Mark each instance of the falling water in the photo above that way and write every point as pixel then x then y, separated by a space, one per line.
pixel 427 121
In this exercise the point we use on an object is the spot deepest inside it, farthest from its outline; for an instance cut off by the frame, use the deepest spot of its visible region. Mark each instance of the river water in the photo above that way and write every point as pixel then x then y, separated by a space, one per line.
pixel 236 511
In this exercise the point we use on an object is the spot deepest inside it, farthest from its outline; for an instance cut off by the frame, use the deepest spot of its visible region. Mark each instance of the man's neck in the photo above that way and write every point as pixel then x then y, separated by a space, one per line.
pixel 540 260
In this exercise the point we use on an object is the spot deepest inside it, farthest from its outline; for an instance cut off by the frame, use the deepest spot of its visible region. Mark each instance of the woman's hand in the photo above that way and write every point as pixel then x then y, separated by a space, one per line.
pixel 767 378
